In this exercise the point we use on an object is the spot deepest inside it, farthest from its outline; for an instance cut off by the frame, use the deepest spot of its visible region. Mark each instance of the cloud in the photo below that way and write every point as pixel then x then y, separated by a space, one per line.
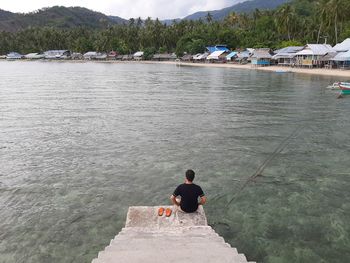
pixel 125 8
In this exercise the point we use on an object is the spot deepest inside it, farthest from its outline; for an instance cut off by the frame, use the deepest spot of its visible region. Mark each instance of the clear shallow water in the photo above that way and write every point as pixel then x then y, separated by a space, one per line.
pixel 80 143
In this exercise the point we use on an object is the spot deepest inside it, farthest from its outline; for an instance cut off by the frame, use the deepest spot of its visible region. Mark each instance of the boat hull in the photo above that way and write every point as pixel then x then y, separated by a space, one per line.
pixel 345 91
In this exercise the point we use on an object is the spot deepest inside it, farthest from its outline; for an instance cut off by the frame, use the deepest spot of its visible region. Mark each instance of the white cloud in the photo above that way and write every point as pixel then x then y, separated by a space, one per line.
pixel 125 8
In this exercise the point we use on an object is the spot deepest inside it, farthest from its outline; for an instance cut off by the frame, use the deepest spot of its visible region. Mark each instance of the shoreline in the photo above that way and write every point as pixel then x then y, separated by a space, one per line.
pixel 313 71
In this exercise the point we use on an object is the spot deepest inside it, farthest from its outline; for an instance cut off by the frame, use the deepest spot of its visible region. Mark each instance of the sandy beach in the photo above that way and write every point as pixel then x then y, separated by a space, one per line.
pixel 315 71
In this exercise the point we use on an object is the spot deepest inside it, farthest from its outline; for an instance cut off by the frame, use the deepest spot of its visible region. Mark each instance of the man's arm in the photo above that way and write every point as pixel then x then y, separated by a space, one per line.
pixel 203 200
pixel 174 201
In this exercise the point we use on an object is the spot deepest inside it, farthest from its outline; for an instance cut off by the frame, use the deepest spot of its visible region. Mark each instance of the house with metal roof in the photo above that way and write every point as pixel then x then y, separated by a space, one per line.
pixel 93 55
pixel 314 55
pixel 342 58
pixel 261 57
pixel 138 55
pixel 218 56
pixel 112 55
pixel 57 54
pixel 212 49
pixel 200 57
pixel 14 55
pixel 231 56
pixel 286 56
pixel 34 56
pixel 164 57
pixel 187 57
pixel 343 46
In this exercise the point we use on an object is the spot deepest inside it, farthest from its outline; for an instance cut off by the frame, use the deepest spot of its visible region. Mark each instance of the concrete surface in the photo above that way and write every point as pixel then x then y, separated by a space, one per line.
pixel 182 237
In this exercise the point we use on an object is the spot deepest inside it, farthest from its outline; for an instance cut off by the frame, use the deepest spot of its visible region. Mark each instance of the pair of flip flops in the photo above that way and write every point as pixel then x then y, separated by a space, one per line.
pixel 161 210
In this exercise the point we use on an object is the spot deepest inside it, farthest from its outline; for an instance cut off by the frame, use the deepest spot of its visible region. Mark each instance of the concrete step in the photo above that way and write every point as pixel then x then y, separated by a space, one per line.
pixel 182 237
pixel 171 256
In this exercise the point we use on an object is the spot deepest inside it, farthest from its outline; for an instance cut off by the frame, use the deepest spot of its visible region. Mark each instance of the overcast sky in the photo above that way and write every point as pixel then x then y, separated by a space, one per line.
pixel 125 8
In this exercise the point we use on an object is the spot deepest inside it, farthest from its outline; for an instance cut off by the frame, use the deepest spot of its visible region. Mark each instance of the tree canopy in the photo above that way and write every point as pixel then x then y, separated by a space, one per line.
pixel 300 21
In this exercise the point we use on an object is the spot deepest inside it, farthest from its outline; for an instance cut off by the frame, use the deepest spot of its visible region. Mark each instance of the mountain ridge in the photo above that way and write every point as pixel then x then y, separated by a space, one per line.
pixel 70 17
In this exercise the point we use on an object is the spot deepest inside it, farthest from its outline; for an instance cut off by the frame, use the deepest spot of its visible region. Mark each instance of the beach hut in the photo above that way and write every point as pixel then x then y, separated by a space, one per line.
pixel 164 57
pixel 76 56
pixel 187 58
pixel 200 57
pixel 261 57
pixel 112 55
pixel 231 56
pixel 342 58
pixel 93 55
pixel 218 56
pixel 243 56
pixel 138 55
pixel 286 56
pixel 343 46
pixel 57 54
pixel 34 56
pixel 14 55
pixel 314 55
pixel 119 57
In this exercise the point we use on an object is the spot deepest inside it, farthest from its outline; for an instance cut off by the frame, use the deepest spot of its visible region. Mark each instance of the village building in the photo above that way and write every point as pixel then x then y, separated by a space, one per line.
pixel 218 56
pixel 342 58
pixel 231 56
pixel 14 55
pixel 187 58
pixel 261 57
pixel 286 56
pixel 243 56
pixel 200 57
pixel 76 56
pixel 34 56
pixel 138 55
pixel 112 55
pixel 57 54
pixel 93 55
pixel 314 55
pixel 119 57
pixel 164 57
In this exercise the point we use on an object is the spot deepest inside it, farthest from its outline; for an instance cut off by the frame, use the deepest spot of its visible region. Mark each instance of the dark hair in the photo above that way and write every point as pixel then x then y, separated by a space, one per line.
pixel 190 175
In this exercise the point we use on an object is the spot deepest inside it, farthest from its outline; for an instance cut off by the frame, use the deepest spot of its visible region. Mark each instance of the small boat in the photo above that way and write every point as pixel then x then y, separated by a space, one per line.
pixel 345 88
pixel 282 71
pixel 335 85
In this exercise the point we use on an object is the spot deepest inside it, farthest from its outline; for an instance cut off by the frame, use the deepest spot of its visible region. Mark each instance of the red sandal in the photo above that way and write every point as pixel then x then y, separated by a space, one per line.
pixel 168 212
pixel 160 211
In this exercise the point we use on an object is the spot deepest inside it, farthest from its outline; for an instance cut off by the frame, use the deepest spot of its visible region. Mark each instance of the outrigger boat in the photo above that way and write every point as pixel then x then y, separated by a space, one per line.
pixel 345 88
pixel 336 85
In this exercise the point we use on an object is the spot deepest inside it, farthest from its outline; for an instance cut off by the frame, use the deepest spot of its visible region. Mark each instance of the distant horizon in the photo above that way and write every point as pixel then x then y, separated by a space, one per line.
pixel 155 8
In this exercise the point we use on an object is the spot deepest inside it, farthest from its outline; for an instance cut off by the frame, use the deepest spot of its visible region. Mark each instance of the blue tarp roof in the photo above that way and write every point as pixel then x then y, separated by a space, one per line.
pixel 232 54
pixel 211 49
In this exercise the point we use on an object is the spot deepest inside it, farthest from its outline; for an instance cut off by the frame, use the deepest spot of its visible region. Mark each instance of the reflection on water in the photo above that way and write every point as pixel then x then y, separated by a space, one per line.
pixel 81 142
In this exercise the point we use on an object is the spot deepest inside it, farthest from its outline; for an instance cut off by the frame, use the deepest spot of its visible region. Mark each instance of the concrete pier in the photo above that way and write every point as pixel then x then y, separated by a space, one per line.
pixel 149 238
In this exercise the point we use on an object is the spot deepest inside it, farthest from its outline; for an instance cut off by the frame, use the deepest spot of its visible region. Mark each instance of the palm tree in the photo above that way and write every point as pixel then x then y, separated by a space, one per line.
pixel 285 19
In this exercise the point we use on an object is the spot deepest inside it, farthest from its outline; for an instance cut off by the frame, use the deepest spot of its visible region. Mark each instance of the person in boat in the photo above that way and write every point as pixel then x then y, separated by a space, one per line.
pixel 191 194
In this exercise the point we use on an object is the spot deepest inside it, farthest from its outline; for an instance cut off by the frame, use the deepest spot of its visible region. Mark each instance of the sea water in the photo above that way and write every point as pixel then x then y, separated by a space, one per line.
pixel 81 142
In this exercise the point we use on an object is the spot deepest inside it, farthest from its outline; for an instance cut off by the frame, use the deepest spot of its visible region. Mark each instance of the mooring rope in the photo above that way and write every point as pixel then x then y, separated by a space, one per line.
pixel 262 167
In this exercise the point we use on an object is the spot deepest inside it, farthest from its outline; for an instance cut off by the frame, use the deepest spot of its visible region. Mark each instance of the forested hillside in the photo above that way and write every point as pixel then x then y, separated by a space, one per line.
pixel 244 7
pixel 58 17
pixel 295 23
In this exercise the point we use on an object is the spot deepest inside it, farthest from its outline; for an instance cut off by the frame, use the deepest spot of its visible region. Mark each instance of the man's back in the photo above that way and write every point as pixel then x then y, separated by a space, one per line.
pixel 189 196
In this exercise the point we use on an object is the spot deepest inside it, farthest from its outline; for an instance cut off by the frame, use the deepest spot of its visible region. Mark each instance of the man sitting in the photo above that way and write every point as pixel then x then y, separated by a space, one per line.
pixel 189 193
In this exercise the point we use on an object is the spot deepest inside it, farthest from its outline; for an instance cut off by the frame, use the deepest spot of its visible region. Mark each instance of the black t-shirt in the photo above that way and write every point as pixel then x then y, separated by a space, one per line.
pixel 189 196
